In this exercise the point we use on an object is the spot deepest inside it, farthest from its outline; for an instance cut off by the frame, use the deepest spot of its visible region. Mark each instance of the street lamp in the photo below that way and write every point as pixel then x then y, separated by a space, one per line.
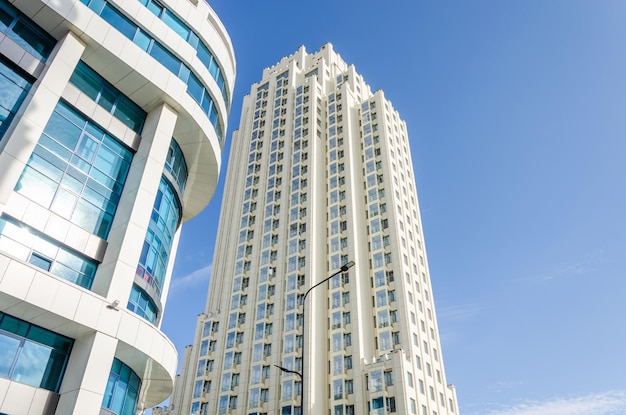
pixel 343 268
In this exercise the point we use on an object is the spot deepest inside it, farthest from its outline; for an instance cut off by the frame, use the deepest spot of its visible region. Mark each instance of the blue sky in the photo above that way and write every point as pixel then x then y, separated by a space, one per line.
pixel 516 114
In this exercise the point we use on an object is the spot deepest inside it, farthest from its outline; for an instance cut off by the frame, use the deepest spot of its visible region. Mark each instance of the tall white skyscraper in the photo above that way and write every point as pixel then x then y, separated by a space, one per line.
pixel 112 115
pixel 320 175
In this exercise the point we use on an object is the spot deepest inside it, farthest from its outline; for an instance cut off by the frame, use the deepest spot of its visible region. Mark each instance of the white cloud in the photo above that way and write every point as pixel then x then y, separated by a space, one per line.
pixel 607 403
pixel 459 312
pixel 581 266
pixel 505 386
pixel 566 270
pixel 194 278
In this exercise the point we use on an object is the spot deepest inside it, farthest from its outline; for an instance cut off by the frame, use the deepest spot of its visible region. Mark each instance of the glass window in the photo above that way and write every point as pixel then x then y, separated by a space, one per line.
pixel 122 389
pixel 253 399
pixel 287 390
pixel 166 58
pixel 77 170
pixel 141 304
pixel 375 383
pixel 289 344
pixel 202 51
pixel 197 389
pixel 28 245
pixel 338 389
pixel 195 88
pixel 32 355
pixel 157 246
pixel 176 24
pixel 24 31
pixel 14 87
pixel 175 163
pixel 385 341
pixel 118 21
pixel 381 298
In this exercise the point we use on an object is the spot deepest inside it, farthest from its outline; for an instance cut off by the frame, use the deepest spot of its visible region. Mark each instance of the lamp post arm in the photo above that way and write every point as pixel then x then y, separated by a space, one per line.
pixel 284 369
pixel 344 268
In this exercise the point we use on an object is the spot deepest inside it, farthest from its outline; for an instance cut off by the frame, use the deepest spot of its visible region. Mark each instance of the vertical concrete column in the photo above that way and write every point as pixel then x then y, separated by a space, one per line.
pixel 24 133
pixel 87 374
pixel 114 278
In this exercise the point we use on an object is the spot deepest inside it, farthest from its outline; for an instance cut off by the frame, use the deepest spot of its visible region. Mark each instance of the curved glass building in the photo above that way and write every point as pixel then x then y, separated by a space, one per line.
pixel 112 123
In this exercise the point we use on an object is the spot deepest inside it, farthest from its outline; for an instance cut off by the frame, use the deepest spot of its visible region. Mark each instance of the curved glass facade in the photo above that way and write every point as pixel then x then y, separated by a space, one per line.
pixel 77 170
pixel 141 304
pixel 202 50
pixel 108 97
pixel 141 38
pixel 122 389
pixel 176 165
pixel 164 220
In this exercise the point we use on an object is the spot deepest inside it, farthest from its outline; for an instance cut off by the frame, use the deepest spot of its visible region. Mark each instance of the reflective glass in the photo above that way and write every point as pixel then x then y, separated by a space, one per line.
pixel 119 21
pixel 108 97
pixel 122 389
pixel 24 31
pixel 32 355
pixel 175 23
pixel 87 198
pixel 31 364
pixel 29 245
pixel 176 164
pixel 164 220
pixel 165 57
pixel 13 89
pixel 141 304
pixel 9 346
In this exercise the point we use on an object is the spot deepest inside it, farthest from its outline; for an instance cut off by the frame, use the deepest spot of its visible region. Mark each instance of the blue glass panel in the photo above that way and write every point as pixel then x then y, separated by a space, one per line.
pixel 176 164
pixel 36 186
pixel 107 96
pixel 96 159
pixel 32 355
pixel 13 89
pixel 154 7
pixel 122 389
pixel 119 21
pixel 86 80
pixel 24 31
pixel 166 58
pixel 143 40
pixel 195 88
pixel 9 347
pixel 63 130
pixel 158 241
pixel 141 304
pixel 176 24
pixel 30 366
pixel 5 18
pixel 204 55
pixel 62 262
pixel 129 113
